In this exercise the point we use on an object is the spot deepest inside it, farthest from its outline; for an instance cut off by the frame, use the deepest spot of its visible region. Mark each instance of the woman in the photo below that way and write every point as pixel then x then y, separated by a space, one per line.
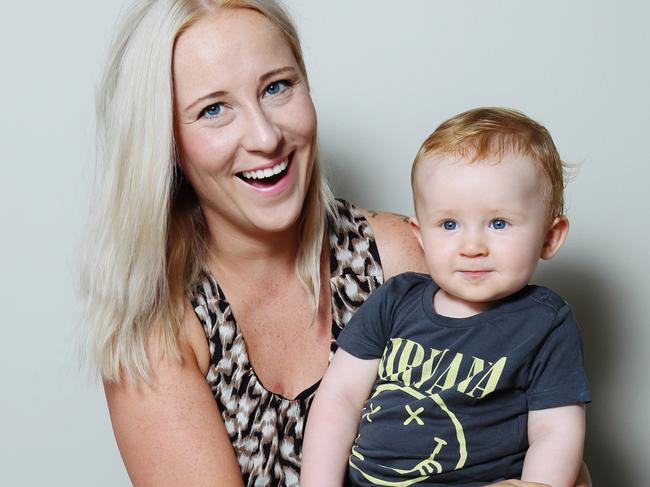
pixel 208 174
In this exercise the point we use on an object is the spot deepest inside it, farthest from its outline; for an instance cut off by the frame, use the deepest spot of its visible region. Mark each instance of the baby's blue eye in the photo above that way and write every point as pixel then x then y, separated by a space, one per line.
pixel 213 110
pixel 276 87
pixel 449 225
pixel 498 224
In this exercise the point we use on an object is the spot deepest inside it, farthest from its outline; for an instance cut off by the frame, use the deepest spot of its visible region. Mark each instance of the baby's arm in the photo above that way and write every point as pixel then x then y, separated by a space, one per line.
pixel 556 438
pixel 333 420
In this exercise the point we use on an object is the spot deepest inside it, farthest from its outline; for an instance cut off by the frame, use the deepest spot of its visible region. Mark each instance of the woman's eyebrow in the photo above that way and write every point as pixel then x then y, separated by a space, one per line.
pixel 214 94
pixel 263 78
pixel 275 72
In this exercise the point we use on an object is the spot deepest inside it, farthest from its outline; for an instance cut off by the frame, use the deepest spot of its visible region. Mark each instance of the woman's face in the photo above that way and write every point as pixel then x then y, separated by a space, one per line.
pixel 245 122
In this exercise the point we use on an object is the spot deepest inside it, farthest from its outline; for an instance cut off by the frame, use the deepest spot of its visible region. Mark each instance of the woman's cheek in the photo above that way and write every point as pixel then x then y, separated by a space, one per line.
pixel 204 149
pixel 303 117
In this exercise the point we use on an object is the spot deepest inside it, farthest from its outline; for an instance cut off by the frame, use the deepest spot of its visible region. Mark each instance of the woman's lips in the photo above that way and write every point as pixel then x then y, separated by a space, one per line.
pixel 264 173
pixel 272 179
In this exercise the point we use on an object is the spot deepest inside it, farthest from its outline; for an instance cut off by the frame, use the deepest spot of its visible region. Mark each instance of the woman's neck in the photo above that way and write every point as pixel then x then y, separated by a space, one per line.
pixel 230 249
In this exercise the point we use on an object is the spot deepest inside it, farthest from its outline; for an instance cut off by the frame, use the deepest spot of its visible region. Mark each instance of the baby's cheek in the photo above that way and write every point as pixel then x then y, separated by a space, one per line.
pixel 524 266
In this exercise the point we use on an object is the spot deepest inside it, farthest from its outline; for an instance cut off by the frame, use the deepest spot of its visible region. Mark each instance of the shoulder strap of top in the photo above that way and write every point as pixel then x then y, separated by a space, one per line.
pixel 352 243
pixel 211 307
pixel 355 264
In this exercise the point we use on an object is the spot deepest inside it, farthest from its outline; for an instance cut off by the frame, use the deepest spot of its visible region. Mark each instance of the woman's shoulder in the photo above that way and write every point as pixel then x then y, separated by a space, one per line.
pixel 193 341
pixel 396 242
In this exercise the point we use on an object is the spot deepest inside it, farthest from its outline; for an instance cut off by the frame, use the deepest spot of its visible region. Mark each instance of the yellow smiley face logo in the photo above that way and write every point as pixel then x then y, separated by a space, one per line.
pixel 454 445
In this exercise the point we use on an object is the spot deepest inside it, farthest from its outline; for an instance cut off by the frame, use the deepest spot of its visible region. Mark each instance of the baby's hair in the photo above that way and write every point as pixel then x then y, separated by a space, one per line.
pixel 490 132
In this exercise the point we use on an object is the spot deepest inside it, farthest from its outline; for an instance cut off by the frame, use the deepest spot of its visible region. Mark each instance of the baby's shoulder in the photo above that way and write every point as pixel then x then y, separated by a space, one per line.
pixel 400 289
pixel 408 280
pixel 545 297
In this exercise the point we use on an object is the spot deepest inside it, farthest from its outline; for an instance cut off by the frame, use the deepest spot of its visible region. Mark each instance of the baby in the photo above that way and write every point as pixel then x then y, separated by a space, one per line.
pixel 468 375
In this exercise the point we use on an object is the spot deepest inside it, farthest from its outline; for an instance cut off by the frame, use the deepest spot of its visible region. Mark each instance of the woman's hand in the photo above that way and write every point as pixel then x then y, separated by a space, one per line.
pixel 584 480
pixel 516 483
pixel 169 431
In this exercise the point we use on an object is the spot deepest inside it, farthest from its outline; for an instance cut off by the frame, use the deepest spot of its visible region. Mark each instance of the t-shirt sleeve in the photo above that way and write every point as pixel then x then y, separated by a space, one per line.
pixel 557 376
pixel 366 334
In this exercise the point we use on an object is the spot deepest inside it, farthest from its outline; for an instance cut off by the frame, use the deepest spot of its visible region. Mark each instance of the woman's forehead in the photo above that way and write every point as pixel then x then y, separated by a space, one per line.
pixel 228 33
pixel 226 45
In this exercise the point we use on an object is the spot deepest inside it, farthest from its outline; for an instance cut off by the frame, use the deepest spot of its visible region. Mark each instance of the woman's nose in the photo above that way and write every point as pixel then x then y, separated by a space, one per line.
pixel 262 134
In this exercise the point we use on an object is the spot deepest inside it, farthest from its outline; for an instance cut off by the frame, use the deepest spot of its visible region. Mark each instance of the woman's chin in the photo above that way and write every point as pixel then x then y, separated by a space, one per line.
pixel 277 209
pixel 282 219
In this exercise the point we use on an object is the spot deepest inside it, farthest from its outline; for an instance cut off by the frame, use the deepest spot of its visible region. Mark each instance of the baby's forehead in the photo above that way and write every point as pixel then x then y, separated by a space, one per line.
pixel 503 174
pixel 431 163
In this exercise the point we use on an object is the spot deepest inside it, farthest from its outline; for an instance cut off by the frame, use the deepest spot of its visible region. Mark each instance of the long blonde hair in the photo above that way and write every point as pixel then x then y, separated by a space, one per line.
pixel 146 241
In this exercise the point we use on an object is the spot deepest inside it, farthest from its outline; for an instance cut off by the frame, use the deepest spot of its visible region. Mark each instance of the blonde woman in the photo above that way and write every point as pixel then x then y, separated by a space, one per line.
pixel 219 267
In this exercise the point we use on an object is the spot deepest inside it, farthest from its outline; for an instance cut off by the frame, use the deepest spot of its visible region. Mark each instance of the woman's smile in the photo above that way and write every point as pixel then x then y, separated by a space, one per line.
pixel 271 178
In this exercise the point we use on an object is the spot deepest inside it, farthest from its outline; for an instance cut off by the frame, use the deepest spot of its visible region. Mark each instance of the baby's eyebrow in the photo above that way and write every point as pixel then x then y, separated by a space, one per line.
pixel 443 212
pixel 505 212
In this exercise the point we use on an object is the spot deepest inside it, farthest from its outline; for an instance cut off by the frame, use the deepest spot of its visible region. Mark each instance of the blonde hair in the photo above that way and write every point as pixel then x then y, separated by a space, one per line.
pixel 491 132
pixel 146 241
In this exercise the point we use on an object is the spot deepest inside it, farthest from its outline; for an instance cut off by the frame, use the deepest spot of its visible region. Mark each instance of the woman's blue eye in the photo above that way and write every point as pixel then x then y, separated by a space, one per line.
pixel 449 225
pixel 213 110
pixel 498 224
pixel 276 87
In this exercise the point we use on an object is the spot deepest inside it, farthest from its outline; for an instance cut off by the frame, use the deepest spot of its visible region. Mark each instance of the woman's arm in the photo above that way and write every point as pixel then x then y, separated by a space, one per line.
pixel 396 242
pixel 516 483
pixel 170 432
pixel 334 419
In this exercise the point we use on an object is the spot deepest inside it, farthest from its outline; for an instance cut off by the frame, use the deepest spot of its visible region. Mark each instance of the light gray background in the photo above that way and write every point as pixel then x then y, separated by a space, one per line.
pixel 383 75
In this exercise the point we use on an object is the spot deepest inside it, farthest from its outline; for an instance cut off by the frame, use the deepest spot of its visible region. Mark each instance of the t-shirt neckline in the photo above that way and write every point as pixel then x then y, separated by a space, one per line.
pixel 506 305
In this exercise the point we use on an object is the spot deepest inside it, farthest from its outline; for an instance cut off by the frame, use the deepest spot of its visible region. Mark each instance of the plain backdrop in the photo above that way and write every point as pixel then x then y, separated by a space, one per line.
pixel 383 75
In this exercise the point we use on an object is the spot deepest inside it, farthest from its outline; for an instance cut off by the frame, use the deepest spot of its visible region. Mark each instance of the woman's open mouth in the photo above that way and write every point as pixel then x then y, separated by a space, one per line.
pixel 268 177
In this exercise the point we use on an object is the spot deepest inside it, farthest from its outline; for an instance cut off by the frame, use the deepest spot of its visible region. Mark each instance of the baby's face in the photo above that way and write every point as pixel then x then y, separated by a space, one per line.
pixel 482 226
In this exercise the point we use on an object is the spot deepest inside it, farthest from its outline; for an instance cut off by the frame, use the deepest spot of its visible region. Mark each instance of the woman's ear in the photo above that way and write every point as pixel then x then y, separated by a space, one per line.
pixel 415 228
pixel 554 237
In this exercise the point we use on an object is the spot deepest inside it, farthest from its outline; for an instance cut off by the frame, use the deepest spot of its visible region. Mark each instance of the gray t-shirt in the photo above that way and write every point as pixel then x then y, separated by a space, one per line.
pixel 450 402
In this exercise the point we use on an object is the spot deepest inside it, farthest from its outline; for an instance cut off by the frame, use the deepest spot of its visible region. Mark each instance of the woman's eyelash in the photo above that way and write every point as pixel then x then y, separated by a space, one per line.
pixel 281 84
pixel 205 113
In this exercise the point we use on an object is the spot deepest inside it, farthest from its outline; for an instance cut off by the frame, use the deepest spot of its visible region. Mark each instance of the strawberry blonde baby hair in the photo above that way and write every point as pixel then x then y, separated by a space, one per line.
pixel 490 132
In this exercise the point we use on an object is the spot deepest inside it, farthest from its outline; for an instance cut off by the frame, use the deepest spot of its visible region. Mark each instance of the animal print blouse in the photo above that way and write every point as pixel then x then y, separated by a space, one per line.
pixel 265 428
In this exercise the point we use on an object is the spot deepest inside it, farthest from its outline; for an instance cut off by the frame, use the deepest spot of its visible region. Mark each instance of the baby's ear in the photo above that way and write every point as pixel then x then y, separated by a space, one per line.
pixel 415 228
pixel 554 237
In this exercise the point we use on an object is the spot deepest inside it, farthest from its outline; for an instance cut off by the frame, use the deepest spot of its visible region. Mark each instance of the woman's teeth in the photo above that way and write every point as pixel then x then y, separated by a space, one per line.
pixel 266 173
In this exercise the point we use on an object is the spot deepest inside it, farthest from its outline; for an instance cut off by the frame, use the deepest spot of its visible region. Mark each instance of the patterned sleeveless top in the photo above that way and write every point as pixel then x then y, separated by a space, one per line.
pixel 265 428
